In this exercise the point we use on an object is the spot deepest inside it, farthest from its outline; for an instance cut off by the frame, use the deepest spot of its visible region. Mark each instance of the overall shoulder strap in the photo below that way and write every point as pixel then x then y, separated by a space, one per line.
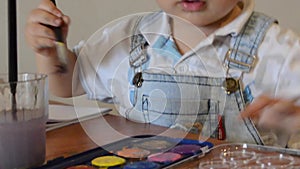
pixel 243 51
pixel 138 55
pixel 137 47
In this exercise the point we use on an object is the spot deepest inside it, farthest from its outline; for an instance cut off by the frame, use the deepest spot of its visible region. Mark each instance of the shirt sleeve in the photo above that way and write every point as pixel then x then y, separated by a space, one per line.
pixel 279 63
pixel 102 57
pixel 76 49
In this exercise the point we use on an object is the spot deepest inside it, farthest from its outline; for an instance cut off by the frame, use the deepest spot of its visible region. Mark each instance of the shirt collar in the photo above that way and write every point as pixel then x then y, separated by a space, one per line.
pixel 160 22
pixel 155 26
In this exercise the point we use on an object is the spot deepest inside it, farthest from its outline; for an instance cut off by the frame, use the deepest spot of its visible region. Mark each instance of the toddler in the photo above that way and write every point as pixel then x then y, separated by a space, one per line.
pixel 195 65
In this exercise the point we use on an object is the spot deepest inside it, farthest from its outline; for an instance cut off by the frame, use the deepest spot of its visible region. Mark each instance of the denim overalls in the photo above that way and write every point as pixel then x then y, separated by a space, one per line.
pixel 206 105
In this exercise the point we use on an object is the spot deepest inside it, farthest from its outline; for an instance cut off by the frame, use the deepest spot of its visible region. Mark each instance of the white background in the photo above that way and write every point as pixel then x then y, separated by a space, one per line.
pixel 88 15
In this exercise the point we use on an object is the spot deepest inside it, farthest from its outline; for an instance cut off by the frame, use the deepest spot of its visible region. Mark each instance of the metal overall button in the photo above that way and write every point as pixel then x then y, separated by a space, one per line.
pixel 138 79
pixel 230 85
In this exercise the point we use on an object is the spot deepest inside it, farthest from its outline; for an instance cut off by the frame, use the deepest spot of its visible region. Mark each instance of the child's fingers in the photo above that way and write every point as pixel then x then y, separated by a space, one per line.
pixel 38 30
pixel 39 37
pixel 41 43
pixel 48 6
pixel 66 23
pixel 66 20
pixel 43 17
pixel 254 109
pixel 272 115
pixel 46 14
pixel 279 116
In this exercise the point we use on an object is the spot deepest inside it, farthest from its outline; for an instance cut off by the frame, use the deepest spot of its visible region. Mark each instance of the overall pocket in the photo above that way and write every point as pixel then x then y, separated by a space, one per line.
pixel 190 103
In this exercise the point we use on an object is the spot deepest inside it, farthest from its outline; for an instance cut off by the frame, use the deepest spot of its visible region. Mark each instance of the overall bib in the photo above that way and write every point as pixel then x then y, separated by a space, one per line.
pixel 206 105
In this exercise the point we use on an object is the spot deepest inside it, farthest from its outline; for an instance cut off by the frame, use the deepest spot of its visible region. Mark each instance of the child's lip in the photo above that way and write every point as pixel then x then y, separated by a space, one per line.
pixel 190 1
pixel 193 5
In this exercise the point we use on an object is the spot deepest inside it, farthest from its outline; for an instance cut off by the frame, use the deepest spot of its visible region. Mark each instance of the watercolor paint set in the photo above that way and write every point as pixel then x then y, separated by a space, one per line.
pixel 138 152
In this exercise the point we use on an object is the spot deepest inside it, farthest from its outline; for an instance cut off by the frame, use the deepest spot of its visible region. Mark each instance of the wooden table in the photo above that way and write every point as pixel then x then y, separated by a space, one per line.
pixel 89 134
pixel 83 136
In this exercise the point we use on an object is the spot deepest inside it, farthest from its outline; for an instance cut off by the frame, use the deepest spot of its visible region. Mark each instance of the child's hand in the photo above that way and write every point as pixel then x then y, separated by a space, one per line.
pixel 40 36
pixel 278 114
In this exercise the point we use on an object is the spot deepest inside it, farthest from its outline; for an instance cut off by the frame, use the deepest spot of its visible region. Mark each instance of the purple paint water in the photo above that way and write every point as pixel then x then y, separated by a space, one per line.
pixel 22 143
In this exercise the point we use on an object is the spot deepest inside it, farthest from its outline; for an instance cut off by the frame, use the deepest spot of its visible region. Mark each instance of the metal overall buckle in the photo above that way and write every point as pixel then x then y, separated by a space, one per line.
pixel 246 67
pixel 138 80
pixel 138 55
pixel 231 84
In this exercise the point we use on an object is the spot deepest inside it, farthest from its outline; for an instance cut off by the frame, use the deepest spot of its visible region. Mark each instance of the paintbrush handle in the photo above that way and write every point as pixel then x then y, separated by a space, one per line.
pixel 53 1
pixel 57 30
pixel 60 46
pixel 58 33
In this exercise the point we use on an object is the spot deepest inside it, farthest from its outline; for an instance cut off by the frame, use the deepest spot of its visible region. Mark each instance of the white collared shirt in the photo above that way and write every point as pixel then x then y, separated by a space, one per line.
pixel 104 66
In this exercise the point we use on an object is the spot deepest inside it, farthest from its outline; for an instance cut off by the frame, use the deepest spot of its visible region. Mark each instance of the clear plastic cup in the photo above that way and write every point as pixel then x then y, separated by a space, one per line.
pixel 23 119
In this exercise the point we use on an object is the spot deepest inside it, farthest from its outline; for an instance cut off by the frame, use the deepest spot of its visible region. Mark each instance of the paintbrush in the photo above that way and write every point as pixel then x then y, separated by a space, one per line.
pixel 60 47
pixel 13 58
